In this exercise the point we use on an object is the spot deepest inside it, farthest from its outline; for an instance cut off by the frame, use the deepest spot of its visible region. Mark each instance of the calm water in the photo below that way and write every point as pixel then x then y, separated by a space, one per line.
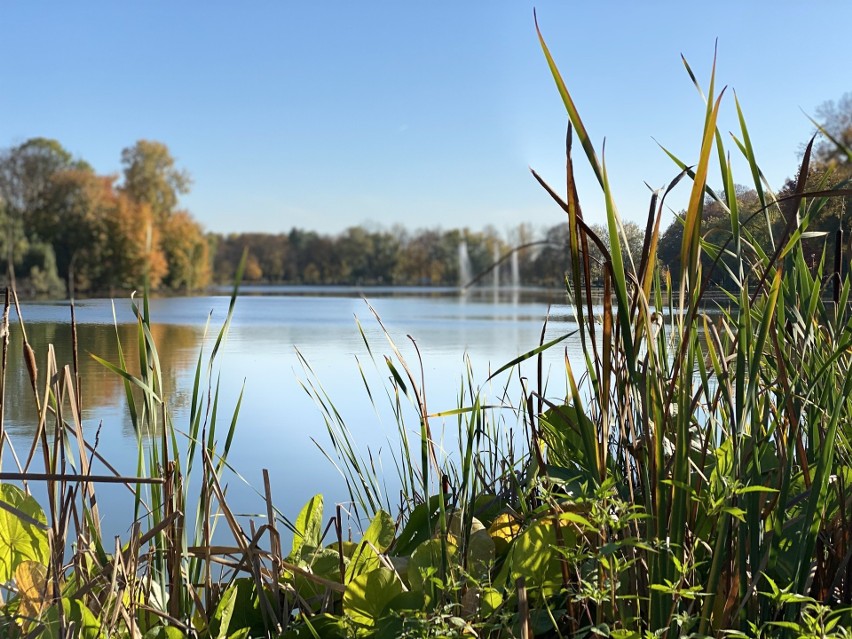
pixel 278 421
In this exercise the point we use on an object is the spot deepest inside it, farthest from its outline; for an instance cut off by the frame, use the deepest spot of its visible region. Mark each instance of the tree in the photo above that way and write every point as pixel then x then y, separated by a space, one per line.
pixel 836 119
pixel 631 243
pixel 150 178
pixel 26 172
pixel 133 251
pixel 186 252
pixel 27 169
pixel 553 260
pixel 71 218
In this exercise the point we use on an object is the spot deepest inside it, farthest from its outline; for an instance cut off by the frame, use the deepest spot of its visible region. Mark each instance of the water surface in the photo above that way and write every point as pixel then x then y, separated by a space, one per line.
pixel 279 424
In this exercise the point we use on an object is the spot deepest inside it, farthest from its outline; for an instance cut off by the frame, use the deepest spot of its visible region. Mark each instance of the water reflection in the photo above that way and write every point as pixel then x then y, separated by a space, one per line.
pixel 102 391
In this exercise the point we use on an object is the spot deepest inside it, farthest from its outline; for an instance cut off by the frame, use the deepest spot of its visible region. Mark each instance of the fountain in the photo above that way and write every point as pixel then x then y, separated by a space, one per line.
pixel 464 265
pixel 495 274
pixel 516 271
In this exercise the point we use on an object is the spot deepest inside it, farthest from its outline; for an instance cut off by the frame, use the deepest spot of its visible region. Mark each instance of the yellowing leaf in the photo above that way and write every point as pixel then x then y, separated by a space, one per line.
pixel 31 577
pixel 21 536
pixel 505 527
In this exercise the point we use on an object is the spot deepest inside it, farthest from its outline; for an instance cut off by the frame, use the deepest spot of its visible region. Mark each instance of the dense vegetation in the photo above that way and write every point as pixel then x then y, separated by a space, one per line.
pixel 689 477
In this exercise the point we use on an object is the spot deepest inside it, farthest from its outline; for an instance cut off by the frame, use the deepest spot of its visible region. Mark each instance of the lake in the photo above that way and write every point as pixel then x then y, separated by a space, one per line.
pixel 279 422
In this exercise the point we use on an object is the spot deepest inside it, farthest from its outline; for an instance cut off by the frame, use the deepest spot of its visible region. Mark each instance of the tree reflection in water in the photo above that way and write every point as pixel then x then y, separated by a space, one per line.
pixel 103 394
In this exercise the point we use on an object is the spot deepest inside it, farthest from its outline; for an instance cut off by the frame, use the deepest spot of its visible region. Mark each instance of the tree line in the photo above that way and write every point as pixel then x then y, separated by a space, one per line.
pixel 399 257
pixel 65 229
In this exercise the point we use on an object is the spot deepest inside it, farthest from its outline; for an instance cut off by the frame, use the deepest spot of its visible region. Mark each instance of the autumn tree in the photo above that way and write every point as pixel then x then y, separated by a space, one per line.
pixel 151 178
pixel 186 252
pixel 831 168
pixel 133 253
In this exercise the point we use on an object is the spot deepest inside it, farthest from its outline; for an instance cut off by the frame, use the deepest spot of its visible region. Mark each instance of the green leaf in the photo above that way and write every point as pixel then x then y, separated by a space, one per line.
pixel 247 607
pixel 425 563
pixel 481 553
pixel 364 560
pixel 381 531
pixel 22 531
pixel 87 625
pixel 164 632
pixel 220 622
pixel 322 625
pixel 367 595
pixel 534 557
pixel 419 527
pixel 735 512
pixel 308 526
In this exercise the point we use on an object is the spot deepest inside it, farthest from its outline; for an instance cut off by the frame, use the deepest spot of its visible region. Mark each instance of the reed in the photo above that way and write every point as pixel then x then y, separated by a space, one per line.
pixel 694 478
pixel 688 477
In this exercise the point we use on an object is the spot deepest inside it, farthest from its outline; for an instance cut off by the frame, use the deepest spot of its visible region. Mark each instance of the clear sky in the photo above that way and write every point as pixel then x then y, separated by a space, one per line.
pixel 324 115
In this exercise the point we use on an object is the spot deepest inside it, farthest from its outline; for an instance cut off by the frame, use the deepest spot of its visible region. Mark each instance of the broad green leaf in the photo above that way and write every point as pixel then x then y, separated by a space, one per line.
pixel 247 607
pixel 481 554
pixel 21 538
pixel 490 600
pixel 381 531
pixel 87 625
pixel 419 527
pixel 425 565
pixel 534 557
pixel 367 595
pixel 363 560
pixel 308 526
pixel 323 562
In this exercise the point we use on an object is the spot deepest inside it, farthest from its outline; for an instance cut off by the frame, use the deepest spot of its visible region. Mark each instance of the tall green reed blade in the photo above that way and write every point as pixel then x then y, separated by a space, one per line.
pixel 427 443
pixel 618 275
pixel 690 247
pixel 756 175
pixel 568 101
pixel 724 167
pixel 733 207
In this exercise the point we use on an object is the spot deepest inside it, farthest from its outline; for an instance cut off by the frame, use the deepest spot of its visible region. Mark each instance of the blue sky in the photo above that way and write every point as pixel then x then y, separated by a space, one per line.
pixel 324 115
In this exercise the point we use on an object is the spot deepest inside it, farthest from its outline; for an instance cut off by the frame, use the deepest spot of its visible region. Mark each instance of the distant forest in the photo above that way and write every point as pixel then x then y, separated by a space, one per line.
pixel 65 229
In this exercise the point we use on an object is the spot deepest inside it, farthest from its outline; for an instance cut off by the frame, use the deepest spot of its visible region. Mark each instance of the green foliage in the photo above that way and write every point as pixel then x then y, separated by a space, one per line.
pixel 368 594
pixel 76 616
pixel 308 527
